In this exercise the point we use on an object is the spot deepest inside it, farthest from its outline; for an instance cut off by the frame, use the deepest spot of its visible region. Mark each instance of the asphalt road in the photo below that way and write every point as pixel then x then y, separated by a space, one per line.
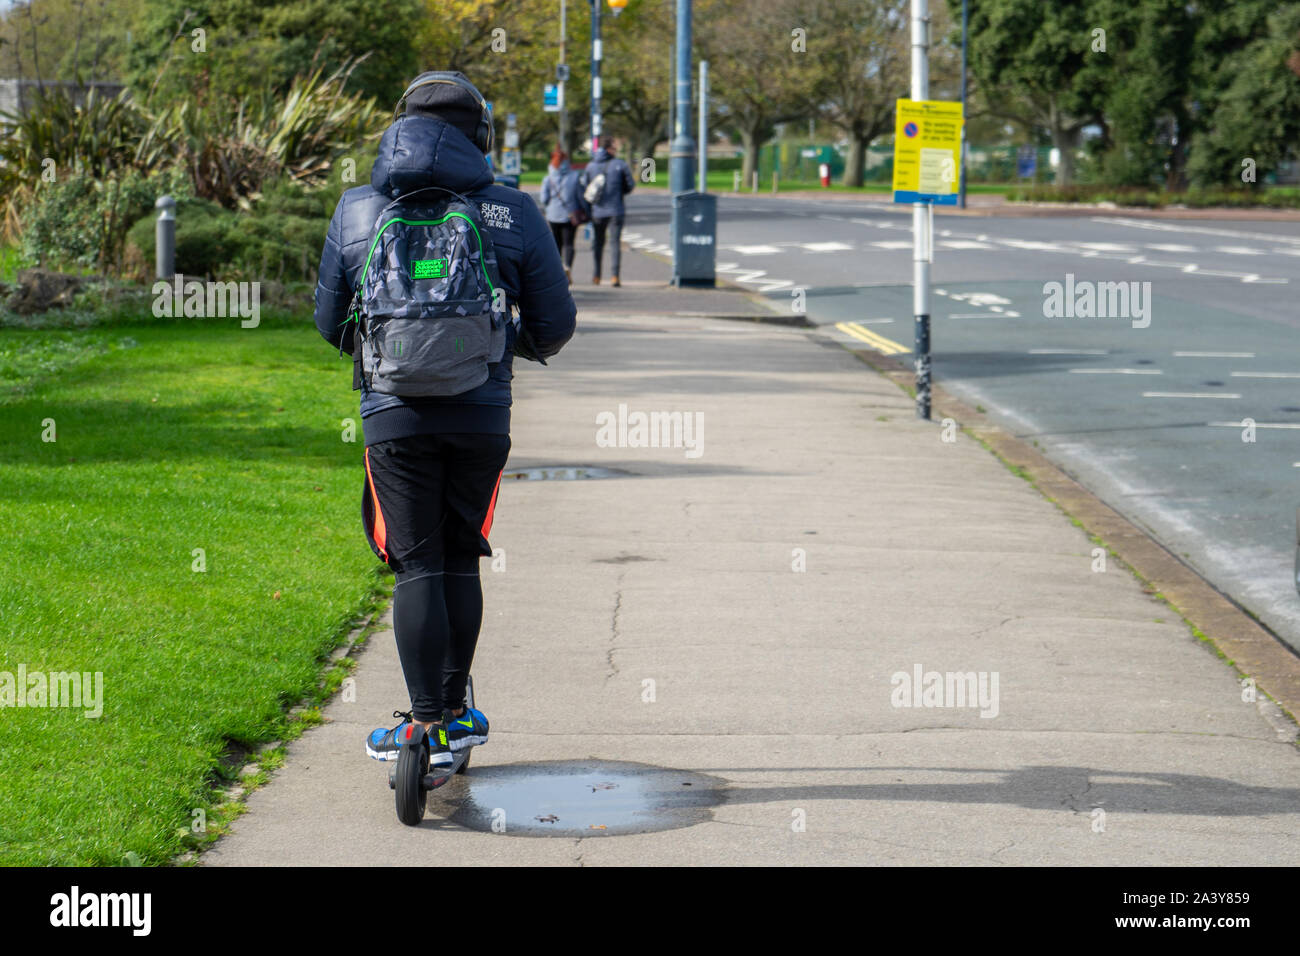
pixel 1148 416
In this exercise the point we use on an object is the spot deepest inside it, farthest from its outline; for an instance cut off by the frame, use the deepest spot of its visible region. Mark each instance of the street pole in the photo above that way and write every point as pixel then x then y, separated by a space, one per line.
pixel 704 126
pixel 965 20
pixel 564 108
pixel 681 155
pixel 921 223
pixel 595 75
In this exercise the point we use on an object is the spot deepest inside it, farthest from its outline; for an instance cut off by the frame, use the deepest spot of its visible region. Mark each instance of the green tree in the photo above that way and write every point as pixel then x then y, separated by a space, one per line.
pixel 637 75
pixel 758 77
pixel 509 49
pixel 65 40
pixel 859 52
pixel 1145 117
pixel 1247 90
pixel 1035 63
pixel 248 46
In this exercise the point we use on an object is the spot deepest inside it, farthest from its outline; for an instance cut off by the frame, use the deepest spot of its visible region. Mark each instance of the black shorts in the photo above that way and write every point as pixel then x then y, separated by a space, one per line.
pixel 428 500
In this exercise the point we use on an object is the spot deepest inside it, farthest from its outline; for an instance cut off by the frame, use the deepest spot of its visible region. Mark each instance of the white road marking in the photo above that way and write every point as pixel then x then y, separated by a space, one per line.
pixel 1030 244
pixel 760 250
pixel 1257 425
pixel 1116 371
pixel 1239 250
pixel 1185 266
pixel 965 244
pixel 1214 355
pixel 893 244
pixel 1107 246
pixel 1264 374
pixel 981 299
pixel 1190 395
pixel 1189 230
pixel 1168 247
pixel 826 246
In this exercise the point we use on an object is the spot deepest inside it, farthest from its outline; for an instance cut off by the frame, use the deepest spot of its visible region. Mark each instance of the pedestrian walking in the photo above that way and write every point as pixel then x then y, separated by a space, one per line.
pixel 563 206
pixel 605 182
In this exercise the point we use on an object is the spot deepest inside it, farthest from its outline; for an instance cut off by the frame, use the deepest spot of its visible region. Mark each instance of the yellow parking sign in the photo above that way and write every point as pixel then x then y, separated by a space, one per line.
pixel 927 151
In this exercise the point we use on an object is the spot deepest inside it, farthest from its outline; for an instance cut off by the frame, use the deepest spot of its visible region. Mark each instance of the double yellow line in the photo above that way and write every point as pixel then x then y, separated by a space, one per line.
pixel 878 342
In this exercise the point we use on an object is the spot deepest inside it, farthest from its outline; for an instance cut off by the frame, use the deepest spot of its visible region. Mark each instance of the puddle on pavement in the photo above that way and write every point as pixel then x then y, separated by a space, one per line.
pixel 577 798
pixel 574 473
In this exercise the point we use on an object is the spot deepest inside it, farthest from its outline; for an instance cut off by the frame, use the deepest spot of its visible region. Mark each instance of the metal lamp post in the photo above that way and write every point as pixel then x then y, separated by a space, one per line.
pixel 617 6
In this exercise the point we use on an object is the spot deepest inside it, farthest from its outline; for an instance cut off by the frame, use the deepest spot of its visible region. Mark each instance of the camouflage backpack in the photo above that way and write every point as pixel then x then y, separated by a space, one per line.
pixel 430 308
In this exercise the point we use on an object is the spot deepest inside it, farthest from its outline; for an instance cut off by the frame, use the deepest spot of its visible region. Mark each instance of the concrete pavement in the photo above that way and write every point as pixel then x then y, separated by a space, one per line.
pixel 755 614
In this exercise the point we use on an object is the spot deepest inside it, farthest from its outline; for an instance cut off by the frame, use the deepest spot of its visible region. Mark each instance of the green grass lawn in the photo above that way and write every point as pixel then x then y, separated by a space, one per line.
pixel 171 436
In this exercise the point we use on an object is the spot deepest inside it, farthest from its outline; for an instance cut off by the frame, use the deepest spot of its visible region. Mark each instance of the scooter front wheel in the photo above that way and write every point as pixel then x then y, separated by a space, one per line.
pixel 411 797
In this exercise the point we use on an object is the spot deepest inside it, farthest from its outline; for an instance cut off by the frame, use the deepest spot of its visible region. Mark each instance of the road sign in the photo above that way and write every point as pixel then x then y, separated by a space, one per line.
pixel 562 73
pixel 927 151
pixel 1026 162
pixel 551 98
pixel 512 138
pixel 510 162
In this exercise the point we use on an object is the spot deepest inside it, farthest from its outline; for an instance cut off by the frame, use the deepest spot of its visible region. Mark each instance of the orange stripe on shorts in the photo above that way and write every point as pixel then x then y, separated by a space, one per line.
pixel 492 506
pixel 380 531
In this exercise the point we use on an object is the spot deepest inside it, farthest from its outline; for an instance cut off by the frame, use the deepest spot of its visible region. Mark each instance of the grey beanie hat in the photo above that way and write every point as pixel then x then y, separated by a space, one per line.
pixel 448 102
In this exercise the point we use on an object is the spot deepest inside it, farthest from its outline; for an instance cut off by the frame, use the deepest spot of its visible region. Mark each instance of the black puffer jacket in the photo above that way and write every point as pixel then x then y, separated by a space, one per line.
pixel 419 151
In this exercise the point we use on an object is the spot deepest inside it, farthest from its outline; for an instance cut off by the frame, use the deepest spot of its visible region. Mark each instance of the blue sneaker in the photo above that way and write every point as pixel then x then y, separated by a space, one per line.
pixel 385 744
pixel 470 729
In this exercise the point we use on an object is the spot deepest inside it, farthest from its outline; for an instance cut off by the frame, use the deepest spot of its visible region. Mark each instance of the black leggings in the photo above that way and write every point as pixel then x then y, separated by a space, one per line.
pixel 436 618
pixel 563 233
pixel 428 506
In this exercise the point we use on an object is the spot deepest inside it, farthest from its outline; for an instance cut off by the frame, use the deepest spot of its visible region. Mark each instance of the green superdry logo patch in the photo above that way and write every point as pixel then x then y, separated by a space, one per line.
pixel 428 268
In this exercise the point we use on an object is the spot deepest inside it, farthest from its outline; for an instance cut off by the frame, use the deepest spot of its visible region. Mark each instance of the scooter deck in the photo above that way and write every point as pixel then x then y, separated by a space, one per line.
pixel 434 778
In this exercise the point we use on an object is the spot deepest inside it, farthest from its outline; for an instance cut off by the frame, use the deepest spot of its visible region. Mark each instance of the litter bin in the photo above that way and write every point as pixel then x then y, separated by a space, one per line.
pixel 695 228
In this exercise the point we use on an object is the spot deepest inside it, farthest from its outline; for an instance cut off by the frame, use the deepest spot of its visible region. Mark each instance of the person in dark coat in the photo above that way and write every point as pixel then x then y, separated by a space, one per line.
pixel 433 466
pixel 607 206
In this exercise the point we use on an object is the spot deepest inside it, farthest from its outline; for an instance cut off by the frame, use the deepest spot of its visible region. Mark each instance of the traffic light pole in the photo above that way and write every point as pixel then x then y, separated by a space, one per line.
pixel 559 79
pixel 921 223
pixel 965 23
pixel 595 75
pixel 681 154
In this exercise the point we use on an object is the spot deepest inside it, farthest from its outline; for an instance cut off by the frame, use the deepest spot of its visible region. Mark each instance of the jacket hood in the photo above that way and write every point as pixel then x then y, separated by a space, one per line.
pixel 420 151
pixel 600 155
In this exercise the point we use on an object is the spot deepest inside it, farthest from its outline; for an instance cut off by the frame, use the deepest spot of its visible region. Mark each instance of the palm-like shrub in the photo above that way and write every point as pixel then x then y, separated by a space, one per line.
pixel 231 149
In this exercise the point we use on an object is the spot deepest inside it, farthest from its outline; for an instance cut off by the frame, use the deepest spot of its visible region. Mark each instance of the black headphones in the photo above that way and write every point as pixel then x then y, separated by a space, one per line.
pixel 484 135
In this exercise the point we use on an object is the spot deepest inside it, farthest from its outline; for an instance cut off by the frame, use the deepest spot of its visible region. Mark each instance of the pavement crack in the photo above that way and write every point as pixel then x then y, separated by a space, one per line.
pixel 613 628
